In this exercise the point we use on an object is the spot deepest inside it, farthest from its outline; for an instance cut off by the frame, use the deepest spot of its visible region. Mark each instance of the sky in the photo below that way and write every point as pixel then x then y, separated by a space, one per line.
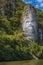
pixel 36 3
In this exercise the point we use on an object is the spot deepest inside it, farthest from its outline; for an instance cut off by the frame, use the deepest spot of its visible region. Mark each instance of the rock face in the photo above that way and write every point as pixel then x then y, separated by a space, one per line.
pixel 41 36
pixel 29 24
pixel 8 4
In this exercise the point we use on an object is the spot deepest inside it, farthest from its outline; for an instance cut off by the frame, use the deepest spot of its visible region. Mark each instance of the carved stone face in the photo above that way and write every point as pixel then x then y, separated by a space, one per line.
pixel 29 24
pixel 28 28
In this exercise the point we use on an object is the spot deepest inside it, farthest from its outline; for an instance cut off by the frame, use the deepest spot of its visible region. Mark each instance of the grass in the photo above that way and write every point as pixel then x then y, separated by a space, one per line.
pixel 28 62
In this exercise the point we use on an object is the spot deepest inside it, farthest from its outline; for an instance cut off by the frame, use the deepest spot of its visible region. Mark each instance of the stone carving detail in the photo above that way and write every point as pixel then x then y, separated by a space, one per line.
pixel 29 24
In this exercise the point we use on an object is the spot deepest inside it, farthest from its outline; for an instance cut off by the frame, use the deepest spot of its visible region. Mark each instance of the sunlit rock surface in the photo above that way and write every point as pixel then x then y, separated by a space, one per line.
pixel 29 23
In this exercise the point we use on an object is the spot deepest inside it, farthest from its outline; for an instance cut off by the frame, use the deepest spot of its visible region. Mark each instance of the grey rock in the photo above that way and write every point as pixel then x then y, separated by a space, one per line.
pixel 29 23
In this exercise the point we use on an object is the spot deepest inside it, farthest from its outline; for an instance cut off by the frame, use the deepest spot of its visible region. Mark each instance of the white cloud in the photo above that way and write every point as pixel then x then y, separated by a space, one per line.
pixel 41 4
pixel 39 1
pixel 37 6
pixel 26 2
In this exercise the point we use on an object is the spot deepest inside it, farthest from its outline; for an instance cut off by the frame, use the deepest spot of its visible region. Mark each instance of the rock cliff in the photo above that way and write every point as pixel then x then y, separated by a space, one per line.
pixel 29 23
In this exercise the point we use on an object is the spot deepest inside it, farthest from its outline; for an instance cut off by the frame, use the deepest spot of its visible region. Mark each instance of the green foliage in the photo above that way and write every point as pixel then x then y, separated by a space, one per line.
pixel 12 48
pixel 35 49
pixel 5 26
pixel 12 44
pixel 39 18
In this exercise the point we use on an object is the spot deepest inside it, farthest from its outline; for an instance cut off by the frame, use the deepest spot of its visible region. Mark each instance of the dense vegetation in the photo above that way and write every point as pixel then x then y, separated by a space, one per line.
pixel 12 44
pixel 39 18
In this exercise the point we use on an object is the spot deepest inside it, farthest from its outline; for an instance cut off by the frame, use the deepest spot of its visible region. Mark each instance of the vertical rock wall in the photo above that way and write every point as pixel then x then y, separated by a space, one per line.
pixel 29 24
pixel 41 36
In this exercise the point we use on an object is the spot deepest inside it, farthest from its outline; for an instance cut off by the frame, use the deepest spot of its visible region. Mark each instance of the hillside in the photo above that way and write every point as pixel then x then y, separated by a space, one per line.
pixel 12 44
pixel 39 18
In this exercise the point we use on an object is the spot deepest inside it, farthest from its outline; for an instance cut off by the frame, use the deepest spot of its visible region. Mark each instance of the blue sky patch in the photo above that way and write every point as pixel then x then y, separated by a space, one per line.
pixel 36 3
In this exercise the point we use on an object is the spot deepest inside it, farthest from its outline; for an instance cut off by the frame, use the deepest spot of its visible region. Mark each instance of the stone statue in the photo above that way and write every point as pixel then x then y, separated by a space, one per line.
pixel 29 23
